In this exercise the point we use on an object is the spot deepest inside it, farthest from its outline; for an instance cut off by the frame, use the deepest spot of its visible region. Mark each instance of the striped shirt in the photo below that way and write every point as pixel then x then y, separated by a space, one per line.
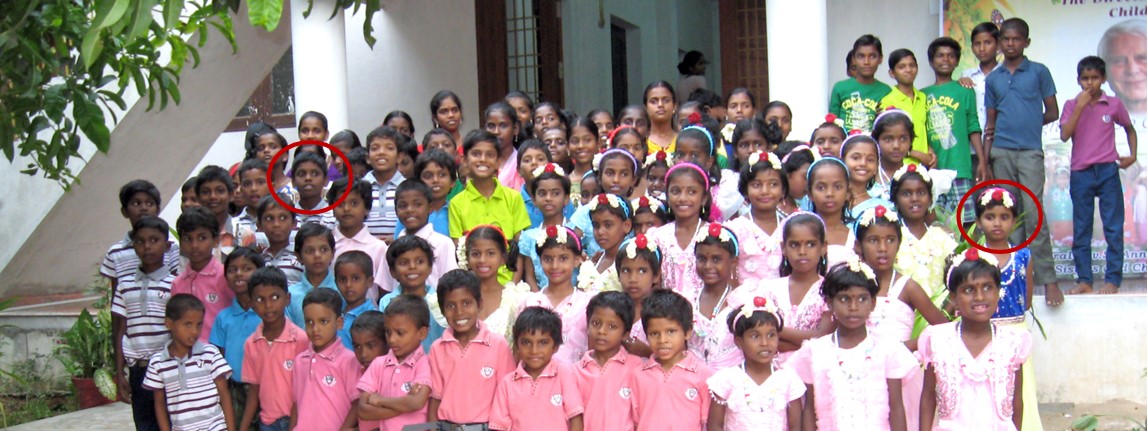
pixel 189 387
pixel 286 261
pixel 314 218
pixel 121 260
pixel 382 219
pixel 141 299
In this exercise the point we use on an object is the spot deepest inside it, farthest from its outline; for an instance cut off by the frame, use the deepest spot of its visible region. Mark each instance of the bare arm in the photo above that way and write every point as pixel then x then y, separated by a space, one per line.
pixel 1127 161
pixel 989 133
pixel 1050 109
pixel 225 401
pixel 369 411
pixel 526 267
pixel 809 415
pixel 575 423
pixel 638 348
pixel 797 336
pixel 716 419
pixel 161 410
pixel 250 407
pixel 294 417
pixel 793 415
pixel 351 422
pixel 896 406
pixel 413 401
pixel 982 168
pixel 432 409
pixel 928 399
pixel 1017 400
pixel 1028 286
pixel 119 328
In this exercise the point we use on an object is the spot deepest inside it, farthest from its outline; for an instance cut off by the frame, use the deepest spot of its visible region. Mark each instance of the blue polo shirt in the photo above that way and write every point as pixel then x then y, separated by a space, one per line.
pixel 233 325
pixel 535 214
pixel 435 330
pixel 1018 98
pixel 349 319
pixel 300 290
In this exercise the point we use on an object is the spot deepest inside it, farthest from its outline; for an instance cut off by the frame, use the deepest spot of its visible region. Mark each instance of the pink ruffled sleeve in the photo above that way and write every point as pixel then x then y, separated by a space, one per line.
pixel 801 363
pixel 1023 348
pixel 899 361
pixel 792 387
pixel 925 346
pixel 721 385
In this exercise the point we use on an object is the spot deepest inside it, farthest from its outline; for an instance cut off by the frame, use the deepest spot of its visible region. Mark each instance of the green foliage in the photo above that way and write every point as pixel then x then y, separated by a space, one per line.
pixel 1092 423
pixel 87 345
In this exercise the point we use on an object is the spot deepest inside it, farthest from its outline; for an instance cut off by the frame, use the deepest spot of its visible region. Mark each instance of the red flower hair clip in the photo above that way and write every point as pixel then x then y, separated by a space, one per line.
pixel 551 231
pixel 695 118
pixel 549 168
pixel 855 132
pixel 972 254
pixel 641 241
pixel 880 211
pixel 829 118
pixel 715 230
pixel 643 201
pixel 603 200
pixel 911 168
pixel 759 301
pixel 998 195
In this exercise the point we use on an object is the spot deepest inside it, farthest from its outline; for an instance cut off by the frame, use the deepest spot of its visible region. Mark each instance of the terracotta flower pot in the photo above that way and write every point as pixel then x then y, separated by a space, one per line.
pixel 88 394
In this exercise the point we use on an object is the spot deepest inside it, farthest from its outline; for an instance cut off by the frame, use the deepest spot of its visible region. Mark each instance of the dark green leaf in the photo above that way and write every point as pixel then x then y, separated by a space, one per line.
pixel 109 12
pixel 91 121
pixel 141 18
pixel 368 29
pixel 1085 423
pixel 171 12
pixel 91 47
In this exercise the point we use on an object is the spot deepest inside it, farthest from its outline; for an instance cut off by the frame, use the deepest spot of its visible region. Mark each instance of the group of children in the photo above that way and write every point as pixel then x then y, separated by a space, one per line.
pixel 643 277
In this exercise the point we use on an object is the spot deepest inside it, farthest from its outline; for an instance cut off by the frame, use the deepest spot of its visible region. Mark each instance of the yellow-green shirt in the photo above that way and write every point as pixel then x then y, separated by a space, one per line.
pixel 918 112
pixel 504 209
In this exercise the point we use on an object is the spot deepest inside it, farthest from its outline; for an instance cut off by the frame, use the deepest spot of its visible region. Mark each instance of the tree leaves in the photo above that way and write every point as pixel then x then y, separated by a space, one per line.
pixel 265 13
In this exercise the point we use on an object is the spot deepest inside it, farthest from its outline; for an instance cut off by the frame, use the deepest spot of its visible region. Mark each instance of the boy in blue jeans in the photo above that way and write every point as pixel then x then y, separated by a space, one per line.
pixel 1020 98
pixel 1089 120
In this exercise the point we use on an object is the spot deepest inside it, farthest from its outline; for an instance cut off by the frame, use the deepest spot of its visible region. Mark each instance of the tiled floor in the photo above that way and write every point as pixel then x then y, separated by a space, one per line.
pixel 111 417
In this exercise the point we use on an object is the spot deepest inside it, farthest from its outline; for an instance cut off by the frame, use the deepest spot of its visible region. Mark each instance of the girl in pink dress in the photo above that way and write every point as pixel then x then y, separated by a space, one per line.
pixel 828 183
pixel 853 379
pixel 755 396
pixel 639 267
pixel 716 252
pixel 973 375
pixel 561 252
pixel 764 186
pixel 898 297
pixel 687 187
pixel 796 292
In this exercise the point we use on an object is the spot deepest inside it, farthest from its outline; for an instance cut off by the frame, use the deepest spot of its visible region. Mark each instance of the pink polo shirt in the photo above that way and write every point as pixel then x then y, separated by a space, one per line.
pixel 602 393
pixel 393 379
pixel 1094 139
pixel 545 403
pixel 373 247
pixel 210 286
pixel 444 252
pixel 464 379
pixel 269 364
pixel 324 387
pixel 678 399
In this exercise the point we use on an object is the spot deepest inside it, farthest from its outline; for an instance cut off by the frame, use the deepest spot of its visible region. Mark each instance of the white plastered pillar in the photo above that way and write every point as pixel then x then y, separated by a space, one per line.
pixel 798 51
pixel 319 53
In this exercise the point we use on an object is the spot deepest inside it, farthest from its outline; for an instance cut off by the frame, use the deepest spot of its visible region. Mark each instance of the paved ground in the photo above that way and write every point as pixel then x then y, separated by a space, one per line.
pixel 111 417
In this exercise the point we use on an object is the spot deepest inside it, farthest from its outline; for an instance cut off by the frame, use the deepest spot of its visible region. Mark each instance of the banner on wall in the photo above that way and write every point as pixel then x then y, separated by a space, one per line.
pixel 1062 33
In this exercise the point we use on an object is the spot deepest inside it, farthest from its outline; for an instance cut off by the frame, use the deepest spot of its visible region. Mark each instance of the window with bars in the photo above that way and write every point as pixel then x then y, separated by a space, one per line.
pixel 522 46
pixel 743 46
pixel 273 101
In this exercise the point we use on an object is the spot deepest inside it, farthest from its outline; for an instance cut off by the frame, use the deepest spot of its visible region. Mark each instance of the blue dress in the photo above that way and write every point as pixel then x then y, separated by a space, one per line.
pixel 1014 283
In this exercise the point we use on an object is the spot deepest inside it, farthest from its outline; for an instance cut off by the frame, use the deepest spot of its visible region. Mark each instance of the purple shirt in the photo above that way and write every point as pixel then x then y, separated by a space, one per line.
pixel 1094 139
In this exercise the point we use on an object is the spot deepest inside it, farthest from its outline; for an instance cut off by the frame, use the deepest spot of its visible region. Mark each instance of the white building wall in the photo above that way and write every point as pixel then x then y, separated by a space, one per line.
pixel 911 24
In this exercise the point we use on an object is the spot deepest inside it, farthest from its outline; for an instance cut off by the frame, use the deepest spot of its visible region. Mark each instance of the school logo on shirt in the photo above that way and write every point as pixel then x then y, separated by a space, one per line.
pixel 329 380
pixel 407 387
pixel 211 297
pixel 487 372
pixel 1106 118
pixel 288 364
pixel 691 393
pixel 556 399
pixel 624 393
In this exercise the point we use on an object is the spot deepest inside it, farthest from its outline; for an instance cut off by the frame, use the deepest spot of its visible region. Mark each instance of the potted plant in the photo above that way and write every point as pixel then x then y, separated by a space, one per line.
pixel 86 353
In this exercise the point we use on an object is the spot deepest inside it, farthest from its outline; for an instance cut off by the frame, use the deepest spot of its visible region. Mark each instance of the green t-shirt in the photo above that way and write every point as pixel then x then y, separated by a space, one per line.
pixel 952 116
pixel 856 103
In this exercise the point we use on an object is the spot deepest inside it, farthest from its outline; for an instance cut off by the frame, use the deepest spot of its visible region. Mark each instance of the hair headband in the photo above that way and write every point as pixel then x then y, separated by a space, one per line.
pixel 809 172
pixel 549 167
pixel 854 135
pixel 802 147
pixel 640 241
pixel 560 235
pixel 891 111
pixel 870 215
pixel 766 157
pixel 759 304
pixel 602 156
pixel 721 233
pixel 969 255
pixel 460 251
pixel 800 212
pixel 587 174
pixel 610 136
pixel 911 167
pixel 657 156
pixel 654 204
pixel 997 194
pixel 688 165
pixel 856 265
pixel 612 200
pixel 709 137
pixel 832 119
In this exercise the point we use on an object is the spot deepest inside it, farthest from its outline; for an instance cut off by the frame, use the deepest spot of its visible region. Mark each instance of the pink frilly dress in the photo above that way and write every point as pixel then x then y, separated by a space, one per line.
pixel 573 312
pixel 759 255
pixel 679 267
pixel 803 315
pixel 753 407
pixel 892 319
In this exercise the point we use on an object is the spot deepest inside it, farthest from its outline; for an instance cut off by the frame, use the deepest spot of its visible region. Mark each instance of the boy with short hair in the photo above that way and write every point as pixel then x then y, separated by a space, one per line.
pixel 408 152
pixel 269 354
pixel 252 175
pixel 855 99
pixel 204 276
pixel 462 386
pixel 1089 121
pixel 413 205
pixel 189 378
pixel 326 374
pixel 187 195
pixel 358 160
pixel 396 387
pixel 138 198
pixel 1020 98
pixel 439 171
pixel 541 393
pixel 138 331
pixel 985 40
pixel 410 261
pixel 315 246
pixel 277 226
pixel 383 155
pixel 952 127
pixel 214 190
pixel 353 277
pixel 349 227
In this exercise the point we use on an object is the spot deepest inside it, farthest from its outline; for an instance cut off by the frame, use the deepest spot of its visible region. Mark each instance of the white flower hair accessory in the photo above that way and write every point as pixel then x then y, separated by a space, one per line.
pixel 608 199
pixel 997 194
pixel 723 234
pixel 560 234
pixel 656 157
pixel 856 265
pixel 870 215
pixel 727 132
pixel 460 252
pixel 760 156
pixel 970 254
pixel 830 118
pixel 912 167
pixel 759 304
pixel 549 167
pixel 640 241
pixel 653 203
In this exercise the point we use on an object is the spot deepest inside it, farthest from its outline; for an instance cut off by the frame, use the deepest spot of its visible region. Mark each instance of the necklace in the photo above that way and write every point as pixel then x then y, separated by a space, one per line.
pixel 852 371
pixel 971 368
pixel 776 213
pixel 751 401
pixel 701 330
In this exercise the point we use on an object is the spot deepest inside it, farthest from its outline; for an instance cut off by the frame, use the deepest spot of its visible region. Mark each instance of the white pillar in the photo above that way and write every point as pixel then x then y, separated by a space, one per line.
pixel 798 52
pixel 319 51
